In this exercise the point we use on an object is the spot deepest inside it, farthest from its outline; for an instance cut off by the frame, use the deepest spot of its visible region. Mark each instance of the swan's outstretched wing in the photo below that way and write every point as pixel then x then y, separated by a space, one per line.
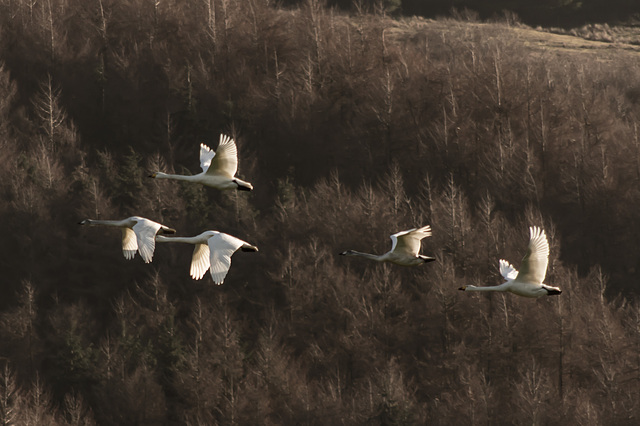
pixel 145 231
pixel 409 241
pixel 206 154
pixel 129 243
pixel 225 160
pixel 534 264
pixel 222 246
pixel 199 261
pixel 507 270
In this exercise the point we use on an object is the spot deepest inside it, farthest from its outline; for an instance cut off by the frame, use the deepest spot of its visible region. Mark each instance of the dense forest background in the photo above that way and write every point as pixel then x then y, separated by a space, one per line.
pixel 351 126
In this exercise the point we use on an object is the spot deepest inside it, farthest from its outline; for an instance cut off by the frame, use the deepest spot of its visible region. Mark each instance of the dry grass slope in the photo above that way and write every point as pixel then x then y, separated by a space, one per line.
pixel 607 43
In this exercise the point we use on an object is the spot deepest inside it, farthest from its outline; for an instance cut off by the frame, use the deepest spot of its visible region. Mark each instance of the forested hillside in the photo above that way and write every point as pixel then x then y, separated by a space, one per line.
pixel 350 128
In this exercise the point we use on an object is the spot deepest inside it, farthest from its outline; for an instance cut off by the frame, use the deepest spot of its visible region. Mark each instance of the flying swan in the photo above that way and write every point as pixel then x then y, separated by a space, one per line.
pixel 404 248
pixel 527 282
pixel 218 169
pixel 138 234
pixel 212 251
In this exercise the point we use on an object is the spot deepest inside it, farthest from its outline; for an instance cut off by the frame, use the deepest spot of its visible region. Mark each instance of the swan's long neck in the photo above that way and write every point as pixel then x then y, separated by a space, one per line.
pixel 188 240
pixel 501 287
pixel 160 175
pixel 94 222
pixel 365 255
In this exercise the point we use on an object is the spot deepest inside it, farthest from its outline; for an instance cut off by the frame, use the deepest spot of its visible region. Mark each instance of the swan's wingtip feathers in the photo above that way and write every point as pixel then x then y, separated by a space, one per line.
pixel 225 139
pixel 197 270
pixel 426 229
pixel 507 270
pixel 536 232
pixel 504 263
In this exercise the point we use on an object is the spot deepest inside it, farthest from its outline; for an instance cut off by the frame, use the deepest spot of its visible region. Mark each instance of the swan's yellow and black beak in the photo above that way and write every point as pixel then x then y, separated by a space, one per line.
pixel 153 175
pixel 463 288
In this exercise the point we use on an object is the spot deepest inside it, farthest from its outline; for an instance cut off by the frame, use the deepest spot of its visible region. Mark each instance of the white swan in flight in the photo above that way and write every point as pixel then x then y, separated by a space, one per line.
pixel 218 168
pixel 212 251
pixel 527 282
pixel 404 248
pixel 138 234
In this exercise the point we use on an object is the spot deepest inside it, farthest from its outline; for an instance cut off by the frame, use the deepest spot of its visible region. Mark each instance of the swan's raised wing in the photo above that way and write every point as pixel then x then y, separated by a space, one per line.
pixel 222 246
pixel 145 231
pixel 206 154
pixel 408 242
pixel 225 160
pixel 199 261
pixel 534 264
pixel 129 243
pixel 507 270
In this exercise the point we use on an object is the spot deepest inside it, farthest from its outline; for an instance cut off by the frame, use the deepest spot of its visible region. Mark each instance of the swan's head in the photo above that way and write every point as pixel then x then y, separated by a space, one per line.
pixel 85 222
pixel 347 253
pixel 159 175
pixel 463 288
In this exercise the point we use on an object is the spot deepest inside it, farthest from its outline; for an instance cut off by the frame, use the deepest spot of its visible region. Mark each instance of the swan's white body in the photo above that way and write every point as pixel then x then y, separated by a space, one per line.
pixel 212 251
pixel 527 282
pixel 218 169
pixel 138 234
pixel 404 251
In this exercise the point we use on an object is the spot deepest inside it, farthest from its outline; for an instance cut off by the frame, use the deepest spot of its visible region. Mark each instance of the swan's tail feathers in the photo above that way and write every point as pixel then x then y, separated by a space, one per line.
pixel 248 247
pixel 426 259
pixel 243 186
pixel 552 291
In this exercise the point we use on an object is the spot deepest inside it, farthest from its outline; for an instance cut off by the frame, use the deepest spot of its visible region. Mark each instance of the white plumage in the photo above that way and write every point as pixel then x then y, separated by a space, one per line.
pixel 405 248
pixel 212 251
pixel 218 168
pixel 533 268
pixel 138 234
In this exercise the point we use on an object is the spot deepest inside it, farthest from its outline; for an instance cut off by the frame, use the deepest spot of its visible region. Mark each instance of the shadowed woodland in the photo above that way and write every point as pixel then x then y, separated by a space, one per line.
pixel 351 127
